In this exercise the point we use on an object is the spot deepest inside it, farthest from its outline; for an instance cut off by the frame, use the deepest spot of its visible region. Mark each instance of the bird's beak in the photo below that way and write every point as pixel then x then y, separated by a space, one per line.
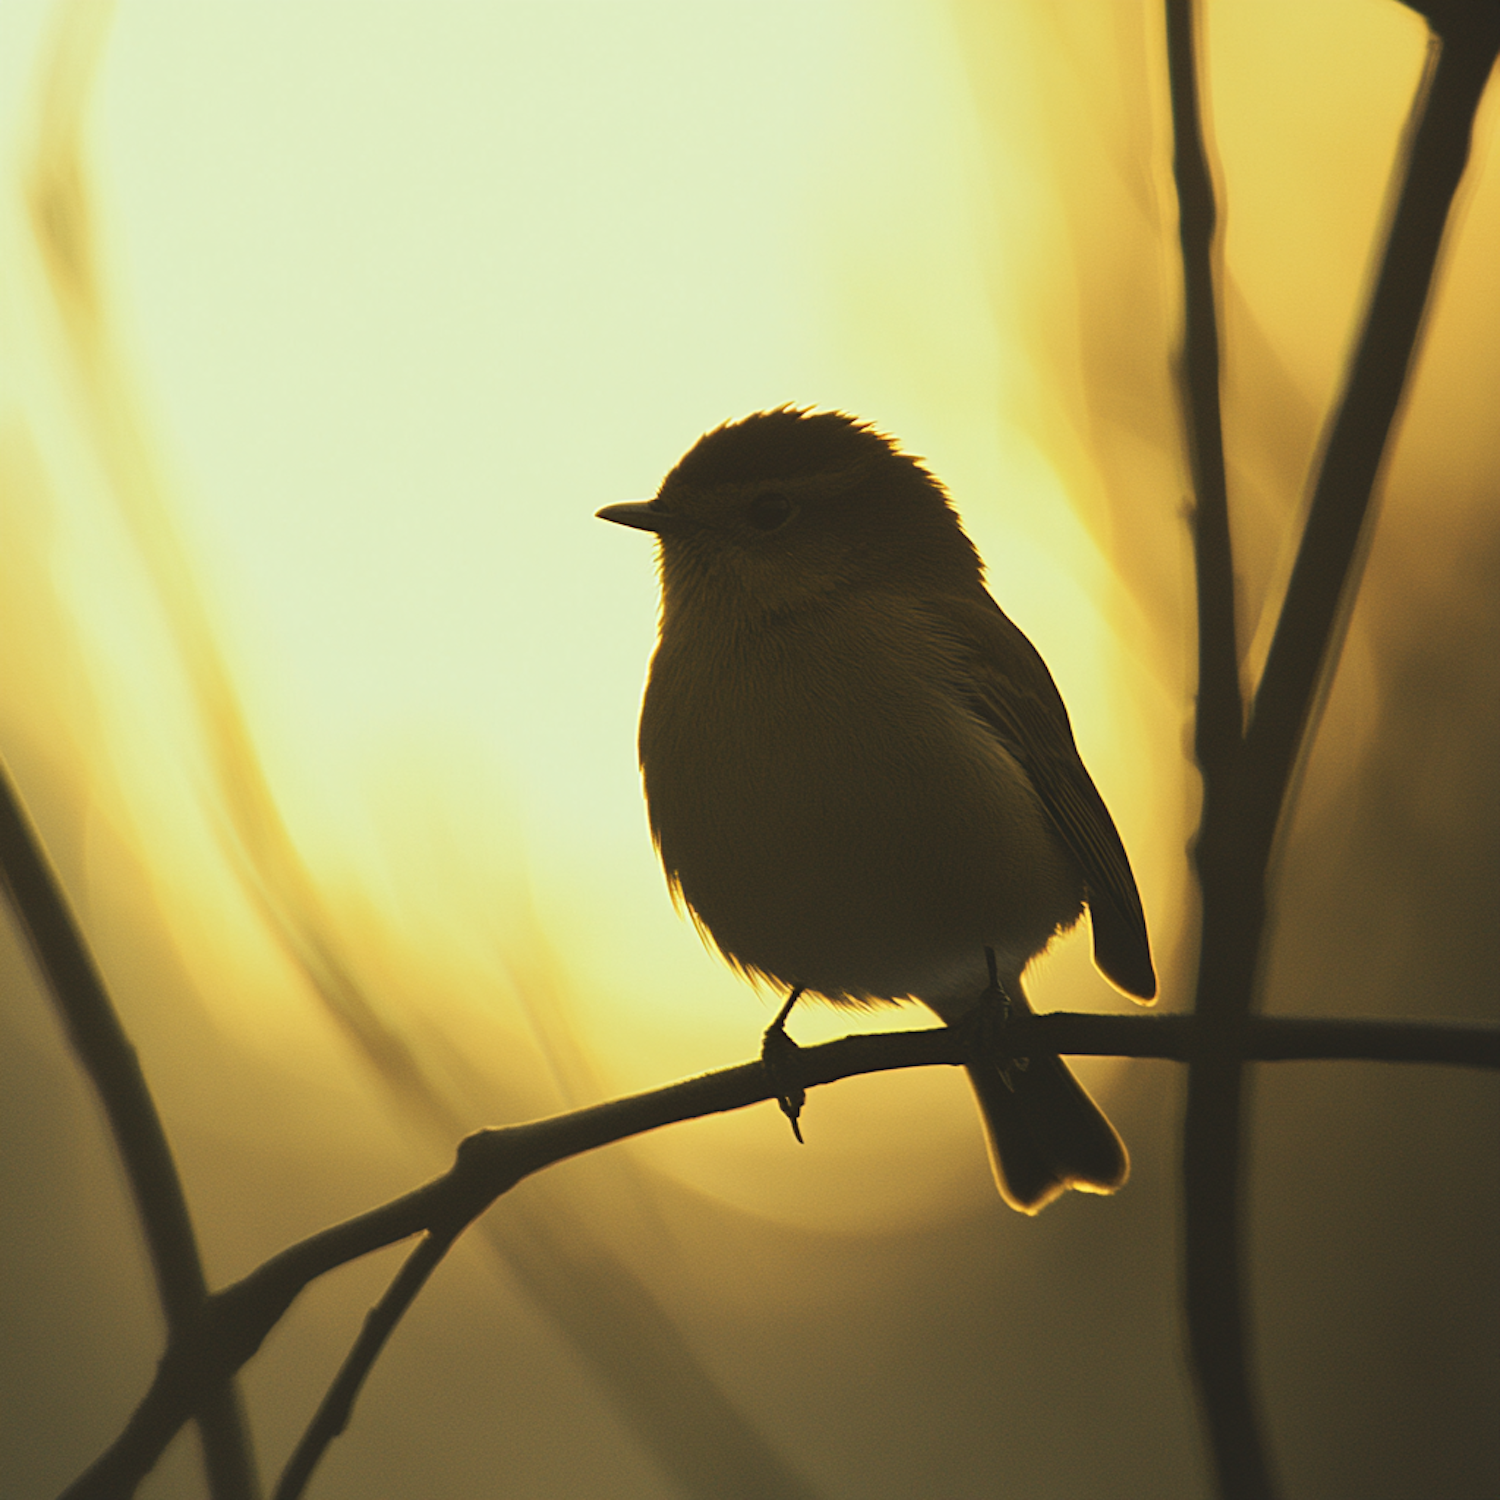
pixel 644 515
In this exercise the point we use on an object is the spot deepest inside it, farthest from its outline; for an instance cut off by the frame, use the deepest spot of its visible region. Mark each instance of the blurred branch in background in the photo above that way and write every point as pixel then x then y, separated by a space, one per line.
pixel 1249 774
pixel 614 1321
pixel 617 1323
pixel 105 1053
pixel 62 213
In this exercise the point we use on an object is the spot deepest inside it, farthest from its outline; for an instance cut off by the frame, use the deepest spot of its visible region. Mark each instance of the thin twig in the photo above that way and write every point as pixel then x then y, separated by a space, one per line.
pixel 333 1411
pixel 236 1320
pixel 103 1049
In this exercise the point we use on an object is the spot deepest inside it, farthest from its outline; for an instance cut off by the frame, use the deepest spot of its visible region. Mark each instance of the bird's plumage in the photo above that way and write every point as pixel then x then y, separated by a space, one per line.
pixel 1015 695
pixel 859 772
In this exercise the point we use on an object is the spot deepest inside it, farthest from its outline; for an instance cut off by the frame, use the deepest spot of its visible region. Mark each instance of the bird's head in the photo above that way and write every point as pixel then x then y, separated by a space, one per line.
pixel 788 507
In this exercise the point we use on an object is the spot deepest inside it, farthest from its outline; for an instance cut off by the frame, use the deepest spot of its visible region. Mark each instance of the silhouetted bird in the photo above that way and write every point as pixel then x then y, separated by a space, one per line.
pixel 859 773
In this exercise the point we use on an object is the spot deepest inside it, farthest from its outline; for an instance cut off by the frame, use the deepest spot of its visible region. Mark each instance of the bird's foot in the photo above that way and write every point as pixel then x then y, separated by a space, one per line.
pixel 990 1019
pixel 777 1051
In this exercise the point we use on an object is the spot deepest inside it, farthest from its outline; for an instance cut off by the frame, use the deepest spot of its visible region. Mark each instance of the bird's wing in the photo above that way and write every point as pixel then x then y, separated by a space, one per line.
pixel 1011 691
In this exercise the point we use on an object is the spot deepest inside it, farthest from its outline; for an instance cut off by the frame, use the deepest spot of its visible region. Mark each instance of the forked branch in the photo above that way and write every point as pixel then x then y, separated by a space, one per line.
pixel 1249 777
pixel 236 1320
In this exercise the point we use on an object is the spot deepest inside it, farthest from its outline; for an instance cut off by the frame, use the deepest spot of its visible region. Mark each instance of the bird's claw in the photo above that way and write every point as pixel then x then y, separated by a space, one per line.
pixel 990 1018
pixel 777 1051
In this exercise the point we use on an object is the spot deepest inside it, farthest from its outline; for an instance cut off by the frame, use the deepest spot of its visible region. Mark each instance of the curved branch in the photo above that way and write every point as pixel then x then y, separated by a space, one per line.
pixel 60 211
pixel 104 1051
pixel 236 1320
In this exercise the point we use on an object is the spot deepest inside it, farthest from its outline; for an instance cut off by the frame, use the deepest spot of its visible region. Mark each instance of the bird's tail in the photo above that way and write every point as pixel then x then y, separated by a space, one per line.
pixel 1045 1134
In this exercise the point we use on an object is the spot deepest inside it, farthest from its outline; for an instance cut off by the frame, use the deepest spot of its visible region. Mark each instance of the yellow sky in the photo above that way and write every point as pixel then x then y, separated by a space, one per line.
pixel 396 296
pixel 321 678
pixel 399 295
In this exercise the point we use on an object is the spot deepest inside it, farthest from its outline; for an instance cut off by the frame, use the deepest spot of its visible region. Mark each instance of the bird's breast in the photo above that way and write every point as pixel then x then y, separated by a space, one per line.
pixel 833 812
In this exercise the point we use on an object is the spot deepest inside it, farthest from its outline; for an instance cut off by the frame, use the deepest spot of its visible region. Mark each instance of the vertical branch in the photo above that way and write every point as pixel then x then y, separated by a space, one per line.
pixel 1214 1276
pixel 104 1050
pixel 1435 153
pixel 1220 711
pixel 1247 784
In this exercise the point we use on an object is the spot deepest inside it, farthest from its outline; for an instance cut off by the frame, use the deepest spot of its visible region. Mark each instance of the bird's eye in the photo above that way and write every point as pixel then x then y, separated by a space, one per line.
pixel 767 512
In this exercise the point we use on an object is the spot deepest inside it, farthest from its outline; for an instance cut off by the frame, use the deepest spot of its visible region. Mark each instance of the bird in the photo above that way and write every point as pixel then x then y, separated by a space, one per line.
pixel 860 777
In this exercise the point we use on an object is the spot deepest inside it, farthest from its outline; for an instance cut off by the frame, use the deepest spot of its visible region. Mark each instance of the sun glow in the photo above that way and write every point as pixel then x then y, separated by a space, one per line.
pixel 324 331
pixel 352 375
pixel 324 449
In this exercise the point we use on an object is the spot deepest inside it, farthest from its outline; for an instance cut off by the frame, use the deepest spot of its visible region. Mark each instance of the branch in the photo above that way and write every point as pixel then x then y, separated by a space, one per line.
pixel 1227 866
pixel 333 1411
pixel 1221 714
pixel 1246 790
pixel 1321 589
pixel 234 1322
pixel 104 1051
pixel 61 217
